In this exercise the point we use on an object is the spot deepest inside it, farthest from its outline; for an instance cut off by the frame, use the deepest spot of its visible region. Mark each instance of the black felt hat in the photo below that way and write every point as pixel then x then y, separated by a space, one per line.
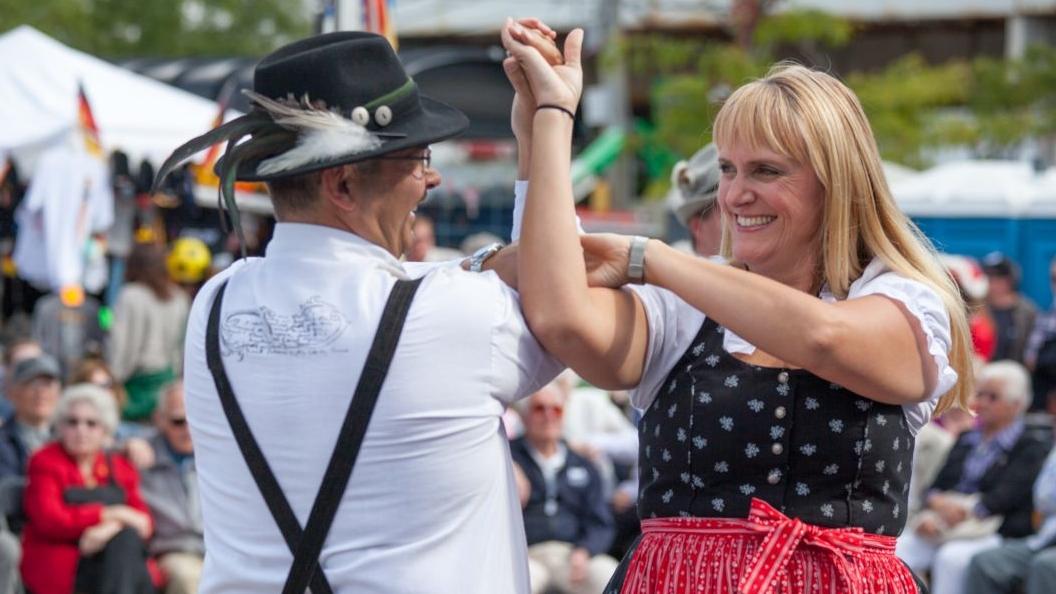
pixel 320 102
pixel 357 76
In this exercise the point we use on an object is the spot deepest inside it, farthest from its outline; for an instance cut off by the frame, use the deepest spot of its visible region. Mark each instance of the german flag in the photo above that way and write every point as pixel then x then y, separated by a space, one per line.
pixel 87 123
pixel 377 18
pixel 204 169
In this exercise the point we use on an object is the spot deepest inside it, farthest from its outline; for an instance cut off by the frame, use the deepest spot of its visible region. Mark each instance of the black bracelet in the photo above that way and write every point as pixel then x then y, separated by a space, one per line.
pixel 557 107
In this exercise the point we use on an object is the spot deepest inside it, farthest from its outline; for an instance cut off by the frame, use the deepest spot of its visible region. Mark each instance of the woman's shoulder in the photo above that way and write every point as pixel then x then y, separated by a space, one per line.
pixel 922 298
pixel 878 277
pixel 51 455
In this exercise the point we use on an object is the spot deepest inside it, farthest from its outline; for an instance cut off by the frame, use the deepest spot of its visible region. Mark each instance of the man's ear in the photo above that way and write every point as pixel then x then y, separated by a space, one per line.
pixel 337 184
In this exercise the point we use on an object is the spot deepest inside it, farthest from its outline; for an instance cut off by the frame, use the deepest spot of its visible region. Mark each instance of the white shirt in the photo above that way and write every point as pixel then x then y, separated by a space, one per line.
pixel 673 324
pixel 431 505
pixel 68 199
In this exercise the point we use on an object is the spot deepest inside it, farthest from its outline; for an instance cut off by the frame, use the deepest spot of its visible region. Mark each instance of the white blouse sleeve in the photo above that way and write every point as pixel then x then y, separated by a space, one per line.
pixel 927 308
pixel 673 324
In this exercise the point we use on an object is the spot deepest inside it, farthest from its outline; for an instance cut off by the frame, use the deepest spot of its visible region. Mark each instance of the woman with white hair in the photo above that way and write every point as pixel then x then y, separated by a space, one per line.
pixel 86 523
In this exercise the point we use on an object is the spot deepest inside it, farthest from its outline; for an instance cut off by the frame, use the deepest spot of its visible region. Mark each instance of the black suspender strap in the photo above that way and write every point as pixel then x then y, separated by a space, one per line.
pixel 306 545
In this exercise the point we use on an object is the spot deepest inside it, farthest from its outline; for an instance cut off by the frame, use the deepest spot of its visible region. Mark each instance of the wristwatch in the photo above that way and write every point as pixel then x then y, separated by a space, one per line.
pixel 476 261
pixel 636 260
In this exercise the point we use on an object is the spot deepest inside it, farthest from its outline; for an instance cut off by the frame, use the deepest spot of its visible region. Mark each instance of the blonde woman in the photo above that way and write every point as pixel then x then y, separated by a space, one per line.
pixel 782 392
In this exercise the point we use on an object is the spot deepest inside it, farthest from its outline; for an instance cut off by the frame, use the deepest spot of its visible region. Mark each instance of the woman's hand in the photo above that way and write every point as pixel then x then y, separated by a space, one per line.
pixel 128 517
pixel 559 85
pixel 94 539
pixel 606 256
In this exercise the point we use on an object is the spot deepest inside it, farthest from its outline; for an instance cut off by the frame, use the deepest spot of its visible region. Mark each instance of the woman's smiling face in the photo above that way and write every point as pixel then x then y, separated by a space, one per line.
pixel 774 208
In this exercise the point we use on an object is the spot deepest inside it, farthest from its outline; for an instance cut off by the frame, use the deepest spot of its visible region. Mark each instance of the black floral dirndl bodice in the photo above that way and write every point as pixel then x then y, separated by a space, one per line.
pixel 721 432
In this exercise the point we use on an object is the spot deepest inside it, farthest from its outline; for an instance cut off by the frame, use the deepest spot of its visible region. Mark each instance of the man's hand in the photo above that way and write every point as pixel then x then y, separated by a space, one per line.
pixel 951 510
pixel 559 85
pixel 929 527
pixel 606 257
pixel 139 452
pixel 578 564
pixel 523 100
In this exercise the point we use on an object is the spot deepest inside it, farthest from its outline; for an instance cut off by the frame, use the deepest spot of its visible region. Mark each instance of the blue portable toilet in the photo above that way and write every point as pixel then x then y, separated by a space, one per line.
pixel 977 207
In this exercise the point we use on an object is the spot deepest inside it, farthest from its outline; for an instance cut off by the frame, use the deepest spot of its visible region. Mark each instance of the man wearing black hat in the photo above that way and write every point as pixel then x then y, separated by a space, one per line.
pixel 276 350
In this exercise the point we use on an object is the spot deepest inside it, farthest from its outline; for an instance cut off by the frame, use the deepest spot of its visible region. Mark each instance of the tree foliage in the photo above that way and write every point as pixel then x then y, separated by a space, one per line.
pixel 690 77
pixel 162 28
pixel 988 106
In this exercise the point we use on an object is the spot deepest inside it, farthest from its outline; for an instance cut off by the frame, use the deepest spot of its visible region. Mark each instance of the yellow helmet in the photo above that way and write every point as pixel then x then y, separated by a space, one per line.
pixel 188 260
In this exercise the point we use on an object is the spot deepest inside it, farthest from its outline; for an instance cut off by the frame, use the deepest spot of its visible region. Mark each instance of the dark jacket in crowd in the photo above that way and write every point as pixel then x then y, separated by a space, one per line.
pixel 13 452
pixel 1007 487
pixel 170 490
pixel 581 517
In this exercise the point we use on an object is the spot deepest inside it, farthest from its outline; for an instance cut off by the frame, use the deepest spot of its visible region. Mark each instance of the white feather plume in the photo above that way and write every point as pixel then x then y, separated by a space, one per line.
pixel 321 134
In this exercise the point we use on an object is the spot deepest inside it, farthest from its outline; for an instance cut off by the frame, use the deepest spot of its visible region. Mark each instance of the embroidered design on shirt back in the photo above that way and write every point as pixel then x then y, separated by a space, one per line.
pixel 316 325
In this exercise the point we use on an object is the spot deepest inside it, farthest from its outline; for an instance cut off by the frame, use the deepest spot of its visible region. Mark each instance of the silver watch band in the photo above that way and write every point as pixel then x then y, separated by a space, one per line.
pixel 636 260
pixel 479 257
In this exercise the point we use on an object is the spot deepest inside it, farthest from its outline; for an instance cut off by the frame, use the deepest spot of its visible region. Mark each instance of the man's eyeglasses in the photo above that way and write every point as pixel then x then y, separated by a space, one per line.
pixel 543 409
pixel 178 421
pixel 426 158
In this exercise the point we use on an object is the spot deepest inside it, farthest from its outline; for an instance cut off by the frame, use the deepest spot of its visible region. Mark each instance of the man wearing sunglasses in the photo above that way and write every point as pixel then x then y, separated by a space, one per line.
pixel 170 489
pixel 566 518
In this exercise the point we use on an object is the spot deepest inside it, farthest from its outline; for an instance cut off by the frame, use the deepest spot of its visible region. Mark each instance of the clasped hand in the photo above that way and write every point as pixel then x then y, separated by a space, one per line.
pixel 560 84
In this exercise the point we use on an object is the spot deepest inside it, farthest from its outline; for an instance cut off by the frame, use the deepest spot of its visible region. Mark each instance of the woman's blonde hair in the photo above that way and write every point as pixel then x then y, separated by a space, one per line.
pixel 811 117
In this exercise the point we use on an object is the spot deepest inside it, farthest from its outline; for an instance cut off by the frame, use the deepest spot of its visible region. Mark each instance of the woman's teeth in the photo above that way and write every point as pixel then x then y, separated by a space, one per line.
pixel 754 221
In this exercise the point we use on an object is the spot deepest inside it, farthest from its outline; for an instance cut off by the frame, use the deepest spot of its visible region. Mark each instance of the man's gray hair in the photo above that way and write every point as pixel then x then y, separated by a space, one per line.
pixel 1014 380
pixel 99 398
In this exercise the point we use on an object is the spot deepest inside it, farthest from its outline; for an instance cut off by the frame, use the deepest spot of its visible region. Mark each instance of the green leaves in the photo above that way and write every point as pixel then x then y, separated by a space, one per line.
pixel 162 28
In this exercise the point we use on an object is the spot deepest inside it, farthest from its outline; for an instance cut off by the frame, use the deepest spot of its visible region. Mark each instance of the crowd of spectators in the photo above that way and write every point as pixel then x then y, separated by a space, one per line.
pixel 97 477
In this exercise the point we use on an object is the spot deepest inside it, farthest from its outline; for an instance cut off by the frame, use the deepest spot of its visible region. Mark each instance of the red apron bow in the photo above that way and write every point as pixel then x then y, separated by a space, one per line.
pixel 785 534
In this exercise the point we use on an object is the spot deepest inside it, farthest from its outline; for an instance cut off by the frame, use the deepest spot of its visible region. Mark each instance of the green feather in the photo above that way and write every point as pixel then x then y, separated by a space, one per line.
pixel 231 131
pixel 275 140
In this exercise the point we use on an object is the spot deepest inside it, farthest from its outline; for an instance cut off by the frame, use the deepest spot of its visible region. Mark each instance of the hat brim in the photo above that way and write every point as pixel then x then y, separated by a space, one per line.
pixel 435 122
pixel 691 208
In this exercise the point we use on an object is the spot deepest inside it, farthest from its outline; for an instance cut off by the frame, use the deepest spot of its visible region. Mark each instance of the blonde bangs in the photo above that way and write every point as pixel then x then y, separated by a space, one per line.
pixel 759 116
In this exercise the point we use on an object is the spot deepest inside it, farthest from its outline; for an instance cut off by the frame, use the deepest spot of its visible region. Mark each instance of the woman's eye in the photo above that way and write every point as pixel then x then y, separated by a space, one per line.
pixel 767 171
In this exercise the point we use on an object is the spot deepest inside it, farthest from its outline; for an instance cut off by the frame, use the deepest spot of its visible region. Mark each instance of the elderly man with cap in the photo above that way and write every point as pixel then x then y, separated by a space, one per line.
pixel 281 348
pixel 697 181
pixel 33 388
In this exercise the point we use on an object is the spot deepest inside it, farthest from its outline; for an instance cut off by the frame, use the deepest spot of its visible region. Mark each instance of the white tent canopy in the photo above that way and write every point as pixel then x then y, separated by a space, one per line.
pixel 981 188
pixel 38 100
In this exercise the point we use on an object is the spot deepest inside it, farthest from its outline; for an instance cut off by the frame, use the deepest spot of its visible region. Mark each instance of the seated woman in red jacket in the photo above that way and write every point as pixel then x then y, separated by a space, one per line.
pixel 86 521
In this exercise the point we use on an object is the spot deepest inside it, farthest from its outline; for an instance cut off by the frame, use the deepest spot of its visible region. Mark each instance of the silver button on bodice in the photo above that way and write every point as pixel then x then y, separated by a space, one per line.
pixel 780 412
pixel 777 449
pixel 783 377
